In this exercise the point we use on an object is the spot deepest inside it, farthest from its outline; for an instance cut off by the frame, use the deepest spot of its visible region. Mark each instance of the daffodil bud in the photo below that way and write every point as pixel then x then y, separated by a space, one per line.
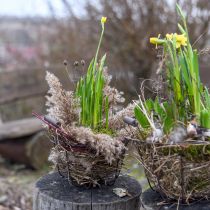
pixel 103 20
pixel 156 40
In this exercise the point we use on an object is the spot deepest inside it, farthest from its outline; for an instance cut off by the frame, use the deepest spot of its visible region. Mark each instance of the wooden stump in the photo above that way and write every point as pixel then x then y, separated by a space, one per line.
pixel 55 193
pixel 152 200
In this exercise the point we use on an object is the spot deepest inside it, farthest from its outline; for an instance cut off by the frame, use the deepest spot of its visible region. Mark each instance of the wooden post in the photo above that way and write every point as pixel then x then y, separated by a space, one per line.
pixel 152 200
pixel 53 192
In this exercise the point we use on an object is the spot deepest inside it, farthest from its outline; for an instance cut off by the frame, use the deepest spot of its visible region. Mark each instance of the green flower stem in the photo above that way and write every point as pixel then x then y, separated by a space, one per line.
pixel 99 45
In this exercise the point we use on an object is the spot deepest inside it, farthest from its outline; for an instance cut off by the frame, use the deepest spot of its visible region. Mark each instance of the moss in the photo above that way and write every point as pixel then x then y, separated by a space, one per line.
pixel 197 183
pixel 107 131
pixel 190 152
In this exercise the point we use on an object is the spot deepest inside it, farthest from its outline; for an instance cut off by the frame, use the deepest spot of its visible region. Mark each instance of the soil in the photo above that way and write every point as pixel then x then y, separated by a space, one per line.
pixel 16 186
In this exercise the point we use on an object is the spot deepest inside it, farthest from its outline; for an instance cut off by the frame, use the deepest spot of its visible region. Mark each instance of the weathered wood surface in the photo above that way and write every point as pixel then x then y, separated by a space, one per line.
pixel 32 150
pixel 152 200
pixel 24 141
pixel 19 128
pixel 53 192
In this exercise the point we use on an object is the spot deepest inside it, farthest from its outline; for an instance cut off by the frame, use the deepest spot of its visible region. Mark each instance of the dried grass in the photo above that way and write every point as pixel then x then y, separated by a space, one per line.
pixel 62 105
pixel 84 164
pixel 88 158
pixel 181 172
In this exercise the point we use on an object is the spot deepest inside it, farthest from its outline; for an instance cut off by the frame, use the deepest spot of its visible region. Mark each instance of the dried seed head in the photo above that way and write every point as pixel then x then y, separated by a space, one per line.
pixel 76 63
pixel 116 144
pixel 83 62
pixel 65 62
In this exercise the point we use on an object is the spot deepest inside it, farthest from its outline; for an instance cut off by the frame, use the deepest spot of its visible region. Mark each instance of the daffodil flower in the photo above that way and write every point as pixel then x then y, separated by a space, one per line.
pixel 181 40
pixel 169 36
pixel 178 45
pixel 156 40
pixel 103 20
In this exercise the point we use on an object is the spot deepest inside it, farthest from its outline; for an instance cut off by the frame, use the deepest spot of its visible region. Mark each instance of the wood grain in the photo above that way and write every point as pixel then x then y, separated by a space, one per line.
pixel 19 128
pixel 53 192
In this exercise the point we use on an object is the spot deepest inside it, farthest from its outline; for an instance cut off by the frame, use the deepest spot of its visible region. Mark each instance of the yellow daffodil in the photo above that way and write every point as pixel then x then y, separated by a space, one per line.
pixel 169 36
pixel 153 40
pixel 178 45
pixel 181 40
pixel 156 40
pixel 103 20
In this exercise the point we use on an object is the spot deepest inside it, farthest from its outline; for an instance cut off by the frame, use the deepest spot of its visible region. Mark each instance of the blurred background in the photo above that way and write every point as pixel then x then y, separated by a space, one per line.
pixel 38 35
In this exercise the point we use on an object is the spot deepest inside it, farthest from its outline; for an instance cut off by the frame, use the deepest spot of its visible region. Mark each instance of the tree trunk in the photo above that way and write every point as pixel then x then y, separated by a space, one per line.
pixel 54 192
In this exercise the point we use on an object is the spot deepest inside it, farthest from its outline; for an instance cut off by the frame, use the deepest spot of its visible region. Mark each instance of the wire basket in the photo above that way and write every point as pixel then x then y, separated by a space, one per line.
pixel 180 172
pixel 82 165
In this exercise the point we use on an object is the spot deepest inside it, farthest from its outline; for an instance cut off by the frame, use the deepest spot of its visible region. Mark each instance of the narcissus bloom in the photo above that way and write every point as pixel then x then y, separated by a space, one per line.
pixel 169 36
pixel 181 39
pixel 103 20
pixel 156 40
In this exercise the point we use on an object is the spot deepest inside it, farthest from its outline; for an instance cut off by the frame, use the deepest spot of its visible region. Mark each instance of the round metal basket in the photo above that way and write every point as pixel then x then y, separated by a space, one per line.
pixel 82 165
pixel 180 172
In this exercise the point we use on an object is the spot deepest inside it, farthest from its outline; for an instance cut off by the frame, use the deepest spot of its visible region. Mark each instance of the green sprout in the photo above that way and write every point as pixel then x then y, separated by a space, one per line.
pixel 187 96
pixel 94 105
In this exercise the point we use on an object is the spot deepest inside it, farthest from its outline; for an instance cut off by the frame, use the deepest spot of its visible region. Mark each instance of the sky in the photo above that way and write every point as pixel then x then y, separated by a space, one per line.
pixel 33 7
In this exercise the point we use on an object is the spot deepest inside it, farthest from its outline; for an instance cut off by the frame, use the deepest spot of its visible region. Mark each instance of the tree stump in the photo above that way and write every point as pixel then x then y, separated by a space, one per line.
pixel 53 192
pixel 151 200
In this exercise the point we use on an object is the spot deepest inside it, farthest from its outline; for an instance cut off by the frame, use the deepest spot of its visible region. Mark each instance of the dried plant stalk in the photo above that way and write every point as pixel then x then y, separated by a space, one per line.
pixel 62 105
pixel 87 164
pixel 178 171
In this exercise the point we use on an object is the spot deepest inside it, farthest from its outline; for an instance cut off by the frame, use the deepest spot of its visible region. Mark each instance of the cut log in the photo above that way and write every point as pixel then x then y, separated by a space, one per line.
pixel 31 150
pixel 24 141
pixel 37 150
pixel 54 192
pixel 19 128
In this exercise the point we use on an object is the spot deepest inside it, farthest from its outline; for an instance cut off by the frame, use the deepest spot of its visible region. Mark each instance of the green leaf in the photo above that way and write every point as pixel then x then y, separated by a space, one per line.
pixel 141 117
pixel 180 12
pixel 149 104
pixel 206 98
pixel 107 112
pixel 169 119
pixel 159 110
pixel 205 118
pixel 181 29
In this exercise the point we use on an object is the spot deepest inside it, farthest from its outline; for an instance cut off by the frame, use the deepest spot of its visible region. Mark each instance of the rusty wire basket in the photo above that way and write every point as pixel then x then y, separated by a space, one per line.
pixel 82 166
pixel 180 172
pixel 81 163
